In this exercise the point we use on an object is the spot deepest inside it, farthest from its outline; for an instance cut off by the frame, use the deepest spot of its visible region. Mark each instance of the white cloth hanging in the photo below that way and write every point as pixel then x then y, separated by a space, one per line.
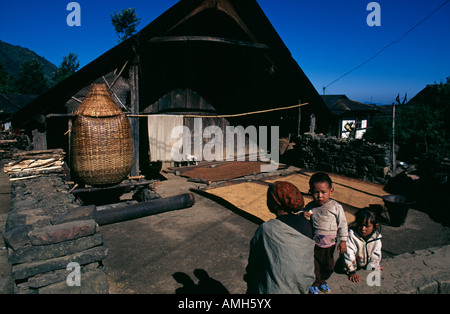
pixel 159 132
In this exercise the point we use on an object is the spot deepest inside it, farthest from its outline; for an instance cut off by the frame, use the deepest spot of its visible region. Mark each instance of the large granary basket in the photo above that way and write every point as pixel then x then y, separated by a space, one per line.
pixel 101 141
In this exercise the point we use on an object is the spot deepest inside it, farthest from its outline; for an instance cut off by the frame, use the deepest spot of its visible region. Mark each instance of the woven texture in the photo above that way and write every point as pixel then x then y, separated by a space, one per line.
pixel 101 147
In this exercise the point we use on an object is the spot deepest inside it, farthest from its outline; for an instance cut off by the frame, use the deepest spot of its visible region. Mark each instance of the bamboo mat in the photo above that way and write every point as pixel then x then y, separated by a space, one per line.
pixel 250 197
pixel 224 171
pixel 353 192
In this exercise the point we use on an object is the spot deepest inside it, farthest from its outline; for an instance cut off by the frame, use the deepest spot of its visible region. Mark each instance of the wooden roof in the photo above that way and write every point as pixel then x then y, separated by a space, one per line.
pixel 225 50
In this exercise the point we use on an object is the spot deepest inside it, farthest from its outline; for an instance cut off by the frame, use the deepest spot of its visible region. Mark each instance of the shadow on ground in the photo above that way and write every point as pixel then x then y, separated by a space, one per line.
pixel 205 285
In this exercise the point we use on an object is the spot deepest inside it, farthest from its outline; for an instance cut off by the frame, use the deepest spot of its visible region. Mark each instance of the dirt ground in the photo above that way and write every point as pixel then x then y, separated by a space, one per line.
pixel 162 254
pixel 149 255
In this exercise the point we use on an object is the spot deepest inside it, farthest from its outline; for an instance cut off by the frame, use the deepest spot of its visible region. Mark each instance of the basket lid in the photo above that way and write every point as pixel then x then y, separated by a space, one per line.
pixel 98 103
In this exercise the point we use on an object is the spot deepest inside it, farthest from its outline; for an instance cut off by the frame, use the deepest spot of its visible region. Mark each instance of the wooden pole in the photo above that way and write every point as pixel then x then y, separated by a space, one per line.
pixel 144 209
pixel 299 119
pixel 134 122
pixel 393 136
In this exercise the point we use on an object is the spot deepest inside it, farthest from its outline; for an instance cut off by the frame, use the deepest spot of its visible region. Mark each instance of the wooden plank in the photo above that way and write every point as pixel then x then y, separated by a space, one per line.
pixel 134 121
pixel 220 40
pixel 39 139
pixel 32 172
pixel 113 187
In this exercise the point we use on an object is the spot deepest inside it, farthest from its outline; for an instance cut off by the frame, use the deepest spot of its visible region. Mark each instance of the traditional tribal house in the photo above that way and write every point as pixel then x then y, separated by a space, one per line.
pixel 211 59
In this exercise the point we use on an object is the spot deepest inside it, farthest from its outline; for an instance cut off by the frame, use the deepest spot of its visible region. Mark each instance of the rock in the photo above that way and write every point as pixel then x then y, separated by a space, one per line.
pixel 45 230
pixel 78 213
pixel 42 252
pixel 62 232
pixel 25 270
pixel 94 282
pixel 18 236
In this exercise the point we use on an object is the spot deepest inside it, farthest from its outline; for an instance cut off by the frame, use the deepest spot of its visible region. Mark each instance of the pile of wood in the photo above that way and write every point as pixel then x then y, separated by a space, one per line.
pixel 35 163
pixel 10 144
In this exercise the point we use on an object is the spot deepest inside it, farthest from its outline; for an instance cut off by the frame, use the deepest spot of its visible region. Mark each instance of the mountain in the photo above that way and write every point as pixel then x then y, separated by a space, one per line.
pixel 12 57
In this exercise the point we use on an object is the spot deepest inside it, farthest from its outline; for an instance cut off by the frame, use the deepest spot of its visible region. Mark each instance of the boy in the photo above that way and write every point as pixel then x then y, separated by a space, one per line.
pixel 329 225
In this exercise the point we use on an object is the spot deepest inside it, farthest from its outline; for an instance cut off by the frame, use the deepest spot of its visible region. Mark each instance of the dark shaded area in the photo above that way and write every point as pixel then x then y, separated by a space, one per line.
pixel 431 194
pixel 205 285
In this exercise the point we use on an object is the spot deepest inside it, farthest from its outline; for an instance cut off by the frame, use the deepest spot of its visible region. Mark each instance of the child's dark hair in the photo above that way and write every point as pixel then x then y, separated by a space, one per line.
pixel 366 215
pixel 320 177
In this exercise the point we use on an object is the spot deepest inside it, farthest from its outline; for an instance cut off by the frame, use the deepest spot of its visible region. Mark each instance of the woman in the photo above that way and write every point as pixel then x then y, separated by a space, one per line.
pixel 281 256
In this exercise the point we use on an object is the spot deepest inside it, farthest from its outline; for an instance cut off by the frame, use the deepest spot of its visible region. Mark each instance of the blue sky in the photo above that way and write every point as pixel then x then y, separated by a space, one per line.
pixel 327 38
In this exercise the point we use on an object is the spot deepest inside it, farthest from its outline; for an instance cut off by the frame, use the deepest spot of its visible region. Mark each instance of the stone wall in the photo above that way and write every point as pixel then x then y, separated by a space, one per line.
pixel 45 231
pixel 349 157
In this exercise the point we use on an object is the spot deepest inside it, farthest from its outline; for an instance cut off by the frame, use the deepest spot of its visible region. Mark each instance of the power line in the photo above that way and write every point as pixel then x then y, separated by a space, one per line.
pixel 390 44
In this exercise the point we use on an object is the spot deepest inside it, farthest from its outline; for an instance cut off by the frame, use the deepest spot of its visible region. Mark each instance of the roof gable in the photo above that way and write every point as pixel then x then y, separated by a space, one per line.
pixel 234 48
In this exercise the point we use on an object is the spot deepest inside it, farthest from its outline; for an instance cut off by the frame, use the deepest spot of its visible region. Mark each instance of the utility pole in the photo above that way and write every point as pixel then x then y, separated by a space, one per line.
pixel 393 128
pixel 393 136
pixel 393 133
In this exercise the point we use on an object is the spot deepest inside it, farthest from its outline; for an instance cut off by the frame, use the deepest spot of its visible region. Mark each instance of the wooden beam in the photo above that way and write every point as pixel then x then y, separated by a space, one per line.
pixel 221 40
pixel 60 115
pixel 134 121
pixel 113 187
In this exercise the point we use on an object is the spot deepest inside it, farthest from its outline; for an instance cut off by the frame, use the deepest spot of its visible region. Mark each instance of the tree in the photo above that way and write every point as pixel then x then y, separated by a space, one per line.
pixel 419 132
pixel 68 66
pixel 380 131
pixel 125 23
pixel 31 79
pixel 421 136
pixel 6 81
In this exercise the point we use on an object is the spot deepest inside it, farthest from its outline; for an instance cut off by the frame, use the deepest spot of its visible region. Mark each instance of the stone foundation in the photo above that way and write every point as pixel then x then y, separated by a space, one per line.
pixel 54 244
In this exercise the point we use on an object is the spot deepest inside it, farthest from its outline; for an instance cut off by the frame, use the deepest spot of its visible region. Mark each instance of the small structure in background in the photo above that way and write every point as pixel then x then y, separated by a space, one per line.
pixel 350 118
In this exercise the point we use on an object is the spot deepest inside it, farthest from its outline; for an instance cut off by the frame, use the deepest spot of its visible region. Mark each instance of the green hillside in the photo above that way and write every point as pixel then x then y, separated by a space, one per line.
pixel 12 57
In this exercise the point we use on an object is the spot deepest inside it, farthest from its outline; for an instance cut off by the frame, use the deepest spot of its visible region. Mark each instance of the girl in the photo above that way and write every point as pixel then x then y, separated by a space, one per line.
pixel 363 245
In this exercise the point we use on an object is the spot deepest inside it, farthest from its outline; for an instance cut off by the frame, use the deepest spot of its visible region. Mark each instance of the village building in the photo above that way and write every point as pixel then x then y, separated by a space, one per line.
pixel 207 59
pixel 9 105
pixel 350 118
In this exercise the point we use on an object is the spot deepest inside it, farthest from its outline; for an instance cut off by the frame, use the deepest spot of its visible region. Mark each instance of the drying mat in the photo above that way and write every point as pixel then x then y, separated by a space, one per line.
pixel 225 171
pixel 353 192
pixel 250 197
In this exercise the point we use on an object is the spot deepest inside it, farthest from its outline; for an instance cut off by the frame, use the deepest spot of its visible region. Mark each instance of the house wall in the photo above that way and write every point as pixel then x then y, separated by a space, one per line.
pixel 199 115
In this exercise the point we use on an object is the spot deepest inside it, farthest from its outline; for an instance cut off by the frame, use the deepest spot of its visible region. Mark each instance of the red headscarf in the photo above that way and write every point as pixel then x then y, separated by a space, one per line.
pixel 286 196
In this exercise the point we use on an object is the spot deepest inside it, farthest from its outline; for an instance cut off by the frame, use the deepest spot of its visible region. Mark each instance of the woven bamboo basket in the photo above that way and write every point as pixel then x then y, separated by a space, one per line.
pixel 101 141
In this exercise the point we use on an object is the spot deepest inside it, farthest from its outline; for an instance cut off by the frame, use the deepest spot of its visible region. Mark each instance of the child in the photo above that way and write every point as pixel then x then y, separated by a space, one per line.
pixel 330 226
pixel 364 245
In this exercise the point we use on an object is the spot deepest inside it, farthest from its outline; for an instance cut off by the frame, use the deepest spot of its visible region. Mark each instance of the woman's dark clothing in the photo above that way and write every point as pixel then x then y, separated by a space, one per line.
pixel 299 223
